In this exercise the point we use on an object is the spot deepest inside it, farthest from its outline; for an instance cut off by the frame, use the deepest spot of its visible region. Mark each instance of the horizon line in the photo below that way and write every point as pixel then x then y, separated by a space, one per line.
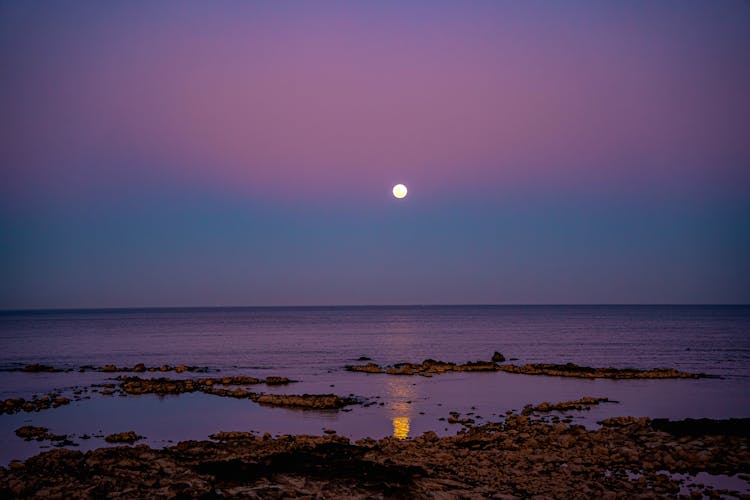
pixel 368 306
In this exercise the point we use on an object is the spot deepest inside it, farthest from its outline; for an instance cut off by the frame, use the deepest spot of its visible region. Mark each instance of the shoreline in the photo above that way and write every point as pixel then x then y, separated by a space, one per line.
pixel 540 449
pixel 518 457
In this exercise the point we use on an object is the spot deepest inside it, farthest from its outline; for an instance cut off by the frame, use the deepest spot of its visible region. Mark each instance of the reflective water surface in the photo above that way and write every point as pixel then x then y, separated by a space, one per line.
pixel 312 345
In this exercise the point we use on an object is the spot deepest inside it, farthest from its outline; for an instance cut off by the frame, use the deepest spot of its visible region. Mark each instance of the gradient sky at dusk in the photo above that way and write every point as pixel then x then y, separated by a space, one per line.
pixel 243 153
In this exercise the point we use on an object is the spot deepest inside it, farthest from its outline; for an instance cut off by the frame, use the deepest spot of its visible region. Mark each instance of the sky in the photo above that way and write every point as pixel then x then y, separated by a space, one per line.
pixel 243 153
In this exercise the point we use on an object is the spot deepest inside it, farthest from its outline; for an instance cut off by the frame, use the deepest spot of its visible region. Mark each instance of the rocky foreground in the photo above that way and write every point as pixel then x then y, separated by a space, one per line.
pixel 517 458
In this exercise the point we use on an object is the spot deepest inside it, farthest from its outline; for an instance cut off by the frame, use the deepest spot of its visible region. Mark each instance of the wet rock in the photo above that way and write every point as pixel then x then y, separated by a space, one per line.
pixel 431 366
pixel 14 405
pixel 520 457
pixel 129 437
pixel 138 385
pixel 277 381
pixel 234 435
pixel 573 370
pixel 624 421
pixel 309 401
pixel 29 432
pixel 364 358
pixel 164 386
pixel 368 368
pixel 584 403
pixel 427 368
pixel 37 368
pixel 516 458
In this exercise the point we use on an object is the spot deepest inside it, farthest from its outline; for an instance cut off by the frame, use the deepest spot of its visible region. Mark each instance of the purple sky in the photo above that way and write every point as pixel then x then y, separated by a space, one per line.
pixel 242 153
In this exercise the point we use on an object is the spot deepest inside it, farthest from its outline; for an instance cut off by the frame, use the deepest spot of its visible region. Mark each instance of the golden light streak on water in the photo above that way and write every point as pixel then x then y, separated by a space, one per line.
pixel 401 427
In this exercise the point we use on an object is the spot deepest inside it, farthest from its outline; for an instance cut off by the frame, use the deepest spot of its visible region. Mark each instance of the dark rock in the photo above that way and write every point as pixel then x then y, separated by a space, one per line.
pixel 309 401
pixel 36 368
pixel 573 370
pixel 368 368
pixel 29 432
pixel 703 426
pixel 497 357
pixel 277 381
pixel 123 437
pixel 517 458
pixel 579 404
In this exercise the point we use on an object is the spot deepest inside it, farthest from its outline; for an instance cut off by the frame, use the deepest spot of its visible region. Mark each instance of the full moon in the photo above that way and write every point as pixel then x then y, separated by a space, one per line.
pixel 399 191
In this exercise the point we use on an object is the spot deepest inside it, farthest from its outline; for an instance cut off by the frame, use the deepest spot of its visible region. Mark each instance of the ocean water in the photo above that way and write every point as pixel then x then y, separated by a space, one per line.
pixel 312 345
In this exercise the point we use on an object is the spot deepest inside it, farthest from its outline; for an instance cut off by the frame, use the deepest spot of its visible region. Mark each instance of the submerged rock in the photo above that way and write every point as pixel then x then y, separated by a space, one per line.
pixel 123 437
pixel 228 436
pixel 36 368
pixel 278 381
pixel 141 367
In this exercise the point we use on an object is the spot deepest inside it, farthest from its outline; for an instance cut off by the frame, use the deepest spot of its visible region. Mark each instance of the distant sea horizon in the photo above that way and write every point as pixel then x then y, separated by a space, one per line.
pixel 364 306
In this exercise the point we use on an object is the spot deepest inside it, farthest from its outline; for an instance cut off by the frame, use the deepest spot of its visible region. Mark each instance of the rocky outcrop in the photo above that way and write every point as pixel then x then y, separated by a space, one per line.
pixel 141 367
pixel 368 368
pixel 129 437
pixel 584 403
pixel 429 367
pixel 14 405
pixel 497 357
pixel 233 435
pixel 307 401
pixel 573 370
pixel 30 432
pixel 517 458
pixel 218 387
pixel 163 386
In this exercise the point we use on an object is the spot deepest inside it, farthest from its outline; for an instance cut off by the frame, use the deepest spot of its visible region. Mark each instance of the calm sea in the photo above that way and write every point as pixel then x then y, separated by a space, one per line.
pixel 313 345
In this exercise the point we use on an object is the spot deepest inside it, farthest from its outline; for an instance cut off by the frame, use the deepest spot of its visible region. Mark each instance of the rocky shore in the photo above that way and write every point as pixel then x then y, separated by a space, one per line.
pixel 517 458
pixel 430 367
